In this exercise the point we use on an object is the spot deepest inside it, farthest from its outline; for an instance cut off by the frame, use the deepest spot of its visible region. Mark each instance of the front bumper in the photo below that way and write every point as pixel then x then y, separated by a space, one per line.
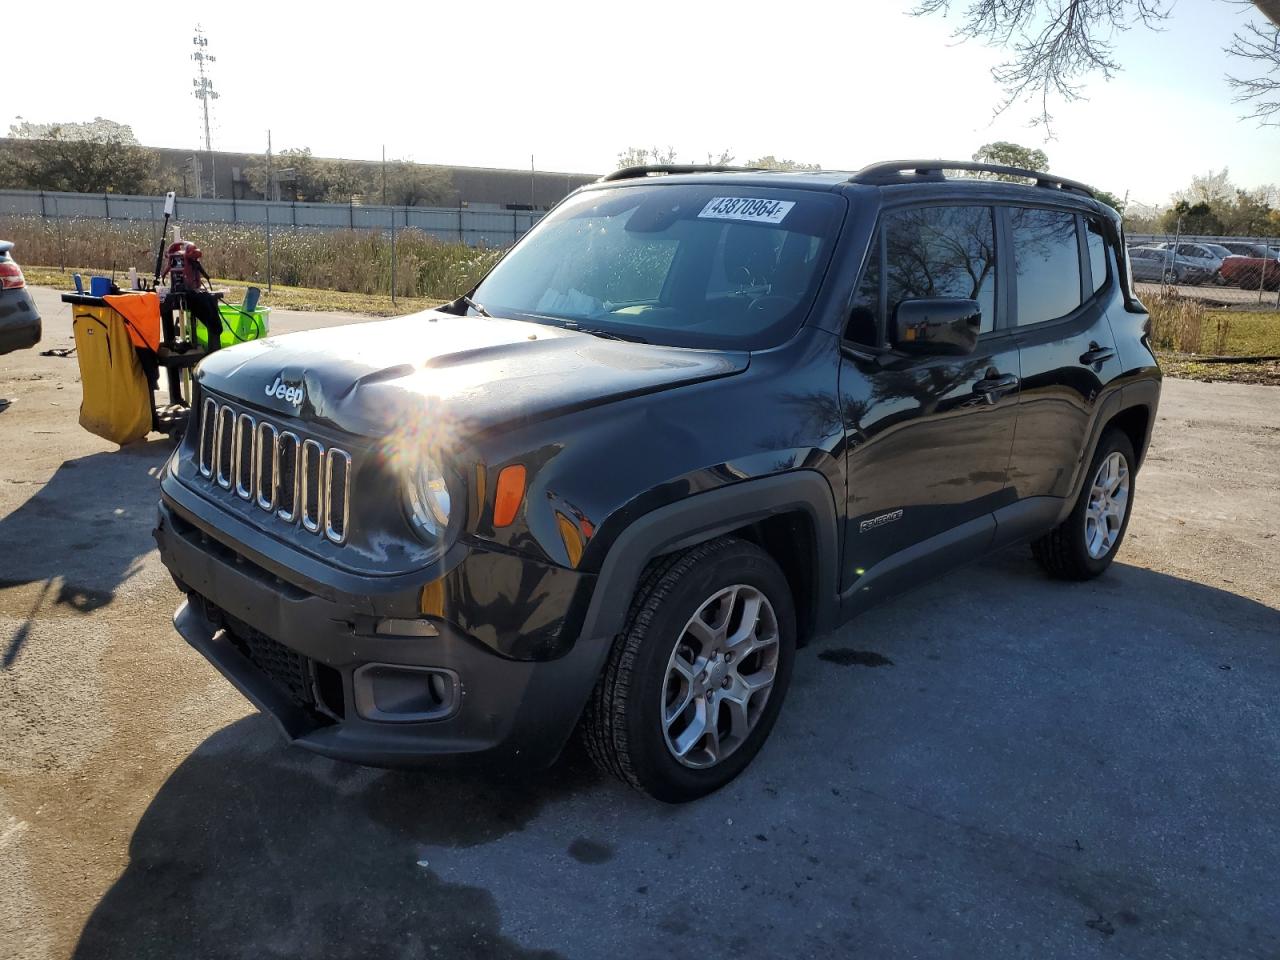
pixel 314 662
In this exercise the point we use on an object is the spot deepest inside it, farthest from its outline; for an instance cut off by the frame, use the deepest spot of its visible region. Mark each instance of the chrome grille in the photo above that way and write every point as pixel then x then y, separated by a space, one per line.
pixel 291 478
pixel 288 447
pixel 310 475
pixel 223 443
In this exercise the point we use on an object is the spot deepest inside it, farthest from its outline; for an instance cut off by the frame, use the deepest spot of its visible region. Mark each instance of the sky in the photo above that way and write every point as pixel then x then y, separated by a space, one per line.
pixel 571 84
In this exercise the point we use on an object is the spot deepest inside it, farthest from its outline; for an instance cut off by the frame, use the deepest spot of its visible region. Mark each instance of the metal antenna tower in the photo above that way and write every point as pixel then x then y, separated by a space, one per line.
pixel 204 92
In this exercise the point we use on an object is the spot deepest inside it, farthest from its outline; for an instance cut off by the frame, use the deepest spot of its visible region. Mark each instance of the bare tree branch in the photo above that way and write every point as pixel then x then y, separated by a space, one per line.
pixel 1054 44
pixel 1260 48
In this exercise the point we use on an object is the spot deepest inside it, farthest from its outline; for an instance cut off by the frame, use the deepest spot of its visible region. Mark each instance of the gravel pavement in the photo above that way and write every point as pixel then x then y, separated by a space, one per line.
pixel 994 765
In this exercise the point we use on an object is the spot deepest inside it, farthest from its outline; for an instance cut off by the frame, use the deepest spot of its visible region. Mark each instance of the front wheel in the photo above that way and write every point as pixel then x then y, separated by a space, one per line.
pixel 1084 544
pixel 694 683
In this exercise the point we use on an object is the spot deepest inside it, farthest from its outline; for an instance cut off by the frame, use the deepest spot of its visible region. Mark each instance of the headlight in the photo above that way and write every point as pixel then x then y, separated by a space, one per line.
pixel 428 497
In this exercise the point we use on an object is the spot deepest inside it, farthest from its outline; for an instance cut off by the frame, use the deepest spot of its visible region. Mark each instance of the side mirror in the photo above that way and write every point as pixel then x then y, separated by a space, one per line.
pixel 938 325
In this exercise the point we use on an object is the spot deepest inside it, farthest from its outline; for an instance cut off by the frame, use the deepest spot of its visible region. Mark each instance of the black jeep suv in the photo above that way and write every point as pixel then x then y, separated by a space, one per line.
pixel 694 418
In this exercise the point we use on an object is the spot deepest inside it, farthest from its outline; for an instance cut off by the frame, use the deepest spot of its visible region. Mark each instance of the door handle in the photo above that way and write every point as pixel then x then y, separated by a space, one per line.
pixel 1096 354
pixel 992 387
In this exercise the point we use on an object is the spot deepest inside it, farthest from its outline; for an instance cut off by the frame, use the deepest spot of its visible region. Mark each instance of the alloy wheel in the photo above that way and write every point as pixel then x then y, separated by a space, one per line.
pixel 1108 502
pixel 719 676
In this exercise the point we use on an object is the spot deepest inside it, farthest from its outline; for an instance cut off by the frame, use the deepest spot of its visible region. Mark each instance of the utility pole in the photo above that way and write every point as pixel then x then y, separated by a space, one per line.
pixel 384 174
pixel 204 92
pixel 267 207
pixel 533 190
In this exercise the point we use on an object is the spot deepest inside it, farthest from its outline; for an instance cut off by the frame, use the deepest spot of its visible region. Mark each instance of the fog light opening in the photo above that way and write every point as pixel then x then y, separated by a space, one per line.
pixel 389 693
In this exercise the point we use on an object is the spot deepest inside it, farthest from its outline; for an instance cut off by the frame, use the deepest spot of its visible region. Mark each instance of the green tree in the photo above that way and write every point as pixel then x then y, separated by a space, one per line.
pixel 409 184
pixel 770 162
pixel 1012 155
pixel 1110 199
pixel 1196 219
pixel 646 156
pixel 100 156
pixel 1251 215
pixel 664 156
pixel 295 172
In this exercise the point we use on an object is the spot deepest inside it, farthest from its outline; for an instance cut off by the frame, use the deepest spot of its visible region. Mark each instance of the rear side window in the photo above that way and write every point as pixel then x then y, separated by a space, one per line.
pixel 1047 263
pixel 1097 253
pixel 941 252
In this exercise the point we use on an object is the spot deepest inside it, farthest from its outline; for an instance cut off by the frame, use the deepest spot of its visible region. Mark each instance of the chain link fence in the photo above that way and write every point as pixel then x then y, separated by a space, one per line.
pixel 1239 272
pixel 429 252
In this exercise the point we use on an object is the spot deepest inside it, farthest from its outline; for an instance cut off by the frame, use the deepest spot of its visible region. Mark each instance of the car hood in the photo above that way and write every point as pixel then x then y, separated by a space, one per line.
pixel 471 373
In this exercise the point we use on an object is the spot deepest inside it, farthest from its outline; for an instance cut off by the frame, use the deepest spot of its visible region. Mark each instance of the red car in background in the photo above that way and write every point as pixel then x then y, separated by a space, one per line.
pixel 1251 266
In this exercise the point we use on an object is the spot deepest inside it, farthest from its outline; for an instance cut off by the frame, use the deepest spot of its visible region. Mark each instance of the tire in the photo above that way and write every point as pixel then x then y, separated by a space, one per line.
pixel 1065 551
pixel 1171 276
pixel 624 726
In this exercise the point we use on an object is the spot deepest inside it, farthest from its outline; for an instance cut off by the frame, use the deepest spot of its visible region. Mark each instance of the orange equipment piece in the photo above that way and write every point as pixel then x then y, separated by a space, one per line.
pixel 141 312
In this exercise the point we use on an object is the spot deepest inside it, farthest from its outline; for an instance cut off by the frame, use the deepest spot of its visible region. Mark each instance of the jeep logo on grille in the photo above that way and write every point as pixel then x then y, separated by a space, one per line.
pixel 285 392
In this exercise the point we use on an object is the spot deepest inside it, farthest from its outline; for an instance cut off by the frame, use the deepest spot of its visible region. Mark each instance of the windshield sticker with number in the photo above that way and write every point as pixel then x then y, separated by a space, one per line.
pixel 746 208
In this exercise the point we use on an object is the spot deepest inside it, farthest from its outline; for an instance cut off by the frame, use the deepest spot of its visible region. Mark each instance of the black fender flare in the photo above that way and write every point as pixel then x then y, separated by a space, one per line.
pixel 706 515
pixel 1141 393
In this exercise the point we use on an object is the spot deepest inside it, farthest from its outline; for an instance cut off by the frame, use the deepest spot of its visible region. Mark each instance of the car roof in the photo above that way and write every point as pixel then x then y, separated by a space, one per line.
pixel 846 181
pixel 796 179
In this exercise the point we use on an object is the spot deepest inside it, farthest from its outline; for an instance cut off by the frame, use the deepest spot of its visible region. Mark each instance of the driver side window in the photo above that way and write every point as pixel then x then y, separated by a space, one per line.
pixel 941 252
pixel 936 251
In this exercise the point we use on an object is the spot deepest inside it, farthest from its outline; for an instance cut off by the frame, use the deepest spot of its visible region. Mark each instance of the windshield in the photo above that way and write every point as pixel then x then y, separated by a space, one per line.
pixel 690 265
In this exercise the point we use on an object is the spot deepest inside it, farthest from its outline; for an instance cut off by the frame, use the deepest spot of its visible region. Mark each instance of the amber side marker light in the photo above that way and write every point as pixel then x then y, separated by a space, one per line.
pixel 507 496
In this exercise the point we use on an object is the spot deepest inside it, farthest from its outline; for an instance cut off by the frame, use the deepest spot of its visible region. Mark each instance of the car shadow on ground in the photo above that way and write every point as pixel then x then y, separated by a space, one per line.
pixel 82 535
pixel 252 848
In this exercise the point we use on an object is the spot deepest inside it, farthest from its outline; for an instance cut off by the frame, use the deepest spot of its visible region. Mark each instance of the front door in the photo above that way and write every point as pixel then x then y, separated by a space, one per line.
pixel 928 438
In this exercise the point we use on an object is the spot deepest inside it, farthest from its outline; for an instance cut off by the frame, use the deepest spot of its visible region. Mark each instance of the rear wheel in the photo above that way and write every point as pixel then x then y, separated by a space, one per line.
pixel 1085 543
pixel 694 683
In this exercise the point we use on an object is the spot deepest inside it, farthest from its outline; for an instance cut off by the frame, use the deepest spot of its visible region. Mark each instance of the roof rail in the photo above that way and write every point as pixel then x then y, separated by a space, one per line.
pixel 631 173
pixel 907 171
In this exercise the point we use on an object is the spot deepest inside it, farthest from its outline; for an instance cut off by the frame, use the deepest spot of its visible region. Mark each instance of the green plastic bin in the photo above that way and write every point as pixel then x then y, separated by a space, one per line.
pixel 238 326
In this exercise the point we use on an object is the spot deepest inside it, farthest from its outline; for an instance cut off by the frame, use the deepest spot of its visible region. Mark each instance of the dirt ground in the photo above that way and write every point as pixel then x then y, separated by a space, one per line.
pixel 995 765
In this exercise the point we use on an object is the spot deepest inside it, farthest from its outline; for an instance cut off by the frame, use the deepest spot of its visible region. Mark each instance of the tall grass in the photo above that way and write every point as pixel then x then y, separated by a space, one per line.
pixel 1177 323
pixel 356 261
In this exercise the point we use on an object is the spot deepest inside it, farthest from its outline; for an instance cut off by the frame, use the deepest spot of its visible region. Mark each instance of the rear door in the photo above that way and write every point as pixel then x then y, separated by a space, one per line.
pixel 928 437
pixel 1065 284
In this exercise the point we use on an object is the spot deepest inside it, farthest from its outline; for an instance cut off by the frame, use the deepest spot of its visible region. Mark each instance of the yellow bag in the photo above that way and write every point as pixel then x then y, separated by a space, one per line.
pixel 117 397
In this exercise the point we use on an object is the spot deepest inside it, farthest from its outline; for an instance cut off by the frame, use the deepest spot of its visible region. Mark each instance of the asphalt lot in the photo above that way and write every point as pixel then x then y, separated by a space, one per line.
pixel 1039 770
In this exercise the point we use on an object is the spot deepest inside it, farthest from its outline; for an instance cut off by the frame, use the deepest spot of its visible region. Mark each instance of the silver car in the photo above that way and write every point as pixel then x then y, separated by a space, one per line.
pixel 1158 263
pixel 1201 256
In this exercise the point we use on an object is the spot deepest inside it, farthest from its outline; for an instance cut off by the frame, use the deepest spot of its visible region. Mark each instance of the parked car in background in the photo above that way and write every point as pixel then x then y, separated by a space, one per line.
pixel 1252 272
pixel 19 320
pixel 1198 255
pixel 1156 264
pixel 1247 248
